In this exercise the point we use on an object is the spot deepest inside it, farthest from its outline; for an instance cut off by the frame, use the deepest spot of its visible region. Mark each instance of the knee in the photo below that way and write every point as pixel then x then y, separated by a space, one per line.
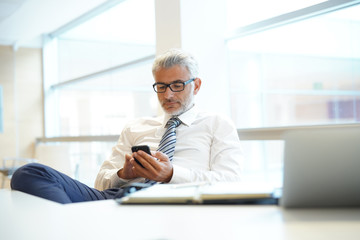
pixel 23 175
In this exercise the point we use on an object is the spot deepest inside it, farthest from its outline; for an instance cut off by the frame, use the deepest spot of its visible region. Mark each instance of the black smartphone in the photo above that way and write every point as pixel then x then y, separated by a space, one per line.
pixel 144 148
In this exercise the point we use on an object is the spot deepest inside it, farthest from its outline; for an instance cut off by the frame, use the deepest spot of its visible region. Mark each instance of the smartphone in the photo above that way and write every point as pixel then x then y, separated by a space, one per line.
pixel 144 148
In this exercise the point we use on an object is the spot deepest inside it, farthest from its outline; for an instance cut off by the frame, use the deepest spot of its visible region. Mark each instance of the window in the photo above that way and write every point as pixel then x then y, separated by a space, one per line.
pixel 299 68
pixel 301 73
pixel 240 14
pixel 103 79
pixel 103 71
pixel 290 63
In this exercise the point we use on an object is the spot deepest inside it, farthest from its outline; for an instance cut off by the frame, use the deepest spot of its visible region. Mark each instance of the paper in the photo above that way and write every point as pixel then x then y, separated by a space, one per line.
pixel 197 193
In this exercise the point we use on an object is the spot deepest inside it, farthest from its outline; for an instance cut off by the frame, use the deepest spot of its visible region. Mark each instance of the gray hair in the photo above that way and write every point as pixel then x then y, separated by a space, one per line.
pixel 175 57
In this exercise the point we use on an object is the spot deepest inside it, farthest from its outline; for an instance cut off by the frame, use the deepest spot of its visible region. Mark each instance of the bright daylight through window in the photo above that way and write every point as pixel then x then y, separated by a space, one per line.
pixel 303 73
pixel 101 64
pixel 290 63
pixel 289 73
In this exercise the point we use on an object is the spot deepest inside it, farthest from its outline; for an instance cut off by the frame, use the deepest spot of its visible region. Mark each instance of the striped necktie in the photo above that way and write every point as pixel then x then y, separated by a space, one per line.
pixel 168 140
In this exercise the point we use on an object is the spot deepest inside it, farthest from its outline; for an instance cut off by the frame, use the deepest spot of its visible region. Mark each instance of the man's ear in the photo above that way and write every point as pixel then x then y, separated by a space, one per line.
pixel 197 83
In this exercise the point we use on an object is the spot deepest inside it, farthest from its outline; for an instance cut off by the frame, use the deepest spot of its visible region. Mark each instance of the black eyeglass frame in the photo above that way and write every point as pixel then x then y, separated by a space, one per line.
pixel 169 85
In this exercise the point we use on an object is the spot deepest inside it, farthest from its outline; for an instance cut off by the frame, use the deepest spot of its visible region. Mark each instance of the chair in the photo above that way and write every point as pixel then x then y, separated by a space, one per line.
pixel 9 166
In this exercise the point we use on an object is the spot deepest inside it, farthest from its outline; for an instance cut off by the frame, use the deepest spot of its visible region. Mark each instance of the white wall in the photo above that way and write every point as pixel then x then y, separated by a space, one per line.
pixel 198 27
pixel 21 79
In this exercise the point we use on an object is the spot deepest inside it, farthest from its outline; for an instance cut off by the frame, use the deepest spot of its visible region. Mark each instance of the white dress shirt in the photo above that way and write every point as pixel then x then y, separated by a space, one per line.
pixel 207 149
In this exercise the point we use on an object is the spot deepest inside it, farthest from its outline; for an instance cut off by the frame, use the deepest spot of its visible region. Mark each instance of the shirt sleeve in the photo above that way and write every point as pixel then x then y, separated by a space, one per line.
pixel 107 176
pixel 226 157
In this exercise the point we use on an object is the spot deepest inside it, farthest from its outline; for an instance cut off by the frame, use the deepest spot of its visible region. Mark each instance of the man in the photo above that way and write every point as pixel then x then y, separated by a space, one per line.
pixel 206 145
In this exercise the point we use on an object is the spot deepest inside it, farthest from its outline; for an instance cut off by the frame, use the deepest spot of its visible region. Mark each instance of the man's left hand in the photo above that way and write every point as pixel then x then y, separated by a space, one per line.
pixel 157 167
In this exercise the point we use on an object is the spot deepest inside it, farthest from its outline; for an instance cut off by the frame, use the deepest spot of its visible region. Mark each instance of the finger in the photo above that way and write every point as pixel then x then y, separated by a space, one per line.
pixel 161 156
pixel 127 157
pixel 149 158
pixel 142 172
pixel 153 168
pixel 128 164
pixel 164 168
pixel 136 160
pixel 135 164
pixel 146 160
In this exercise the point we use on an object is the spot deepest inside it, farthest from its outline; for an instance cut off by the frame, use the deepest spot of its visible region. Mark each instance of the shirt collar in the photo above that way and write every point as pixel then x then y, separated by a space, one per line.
pixel 187 118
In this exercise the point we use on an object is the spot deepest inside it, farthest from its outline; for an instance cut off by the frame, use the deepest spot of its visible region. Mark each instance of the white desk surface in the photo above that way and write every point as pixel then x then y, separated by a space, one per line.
pixel 23 216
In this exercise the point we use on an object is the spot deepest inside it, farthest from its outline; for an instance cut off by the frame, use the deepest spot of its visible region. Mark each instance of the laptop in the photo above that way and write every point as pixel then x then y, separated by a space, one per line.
pixel 322 168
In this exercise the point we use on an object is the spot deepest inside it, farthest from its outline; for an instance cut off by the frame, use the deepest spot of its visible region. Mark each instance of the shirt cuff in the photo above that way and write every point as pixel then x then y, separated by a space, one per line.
pixel 180 175
pixel 116 181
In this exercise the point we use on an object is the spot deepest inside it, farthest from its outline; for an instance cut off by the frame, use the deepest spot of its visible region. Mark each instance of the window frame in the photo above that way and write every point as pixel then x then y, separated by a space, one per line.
pixel 292 17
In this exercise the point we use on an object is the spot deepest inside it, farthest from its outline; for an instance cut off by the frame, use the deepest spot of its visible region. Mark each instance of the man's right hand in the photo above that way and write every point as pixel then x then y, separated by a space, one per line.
pixel 127 171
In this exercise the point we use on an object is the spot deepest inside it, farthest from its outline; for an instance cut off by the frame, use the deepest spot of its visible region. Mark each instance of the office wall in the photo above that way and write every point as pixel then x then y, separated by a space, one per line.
pixel 21 79
pixel 193 26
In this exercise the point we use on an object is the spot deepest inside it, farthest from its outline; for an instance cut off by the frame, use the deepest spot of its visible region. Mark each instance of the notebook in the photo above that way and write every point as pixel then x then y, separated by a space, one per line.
pixel 322 168
pixel 203 193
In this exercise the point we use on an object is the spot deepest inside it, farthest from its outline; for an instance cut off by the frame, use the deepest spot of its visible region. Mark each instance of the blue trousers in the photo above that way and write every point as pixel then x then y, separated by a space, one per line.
pixel 43 181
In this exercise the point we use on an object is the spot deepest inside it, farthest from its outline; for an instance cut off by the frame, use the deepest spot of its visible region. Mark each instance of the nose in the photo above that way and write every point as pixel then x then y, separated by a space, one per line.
pixel 168 93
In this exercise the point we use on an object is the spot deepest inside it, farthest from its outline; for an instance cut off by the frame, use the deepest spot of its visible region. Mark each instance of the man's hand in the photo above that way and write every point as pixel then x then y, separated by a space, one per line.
pixel 127 172
pixel 157 167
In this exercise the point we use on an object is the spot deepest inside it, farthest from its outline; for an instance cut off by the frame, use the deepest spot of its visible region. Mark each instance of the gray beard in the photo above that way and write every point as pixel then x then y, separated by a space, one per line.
pixel 186 106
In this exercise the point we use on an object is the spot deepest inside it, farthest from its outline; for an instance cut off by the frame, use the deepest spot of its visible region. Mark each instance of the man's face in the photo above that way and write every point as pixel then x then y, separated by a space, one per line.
pixel 175 103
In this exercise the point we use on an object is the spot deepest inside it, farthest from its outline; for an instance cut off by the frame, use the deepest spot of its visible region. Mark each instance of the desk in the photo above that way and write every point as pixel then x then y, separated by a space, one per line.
pixel 23 216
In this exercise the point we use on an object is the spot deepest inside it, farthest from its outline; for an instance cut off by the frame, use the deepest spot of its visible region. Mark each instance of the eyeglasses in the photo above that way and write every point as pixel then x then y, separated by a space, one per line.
pixel 175 86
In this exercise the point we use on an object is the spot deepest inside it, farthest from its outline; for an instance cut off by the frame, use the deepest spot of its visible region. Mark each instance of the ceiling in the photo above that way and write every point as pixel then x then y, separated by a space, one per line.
pixel 22 22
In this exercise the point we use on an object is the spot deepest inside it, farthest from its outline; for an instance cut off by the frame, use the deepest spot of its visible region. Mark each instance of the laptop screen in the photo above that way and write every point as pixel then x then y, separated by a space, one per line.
pixel 322 168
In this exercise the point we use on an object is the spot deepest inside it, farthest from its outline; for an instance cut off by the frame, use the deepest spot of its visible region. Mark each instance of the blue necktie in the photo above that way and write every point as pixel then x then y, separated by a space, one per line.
pixel 168 140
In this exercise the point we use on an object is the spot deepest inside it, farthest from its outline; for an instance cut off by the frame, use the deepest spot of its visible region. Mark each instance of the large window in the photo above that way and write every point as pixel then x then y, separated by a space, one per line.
pixel 103 68
pixel 103 71
pixel 290 63
pixel 300 66
pixel 306 72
